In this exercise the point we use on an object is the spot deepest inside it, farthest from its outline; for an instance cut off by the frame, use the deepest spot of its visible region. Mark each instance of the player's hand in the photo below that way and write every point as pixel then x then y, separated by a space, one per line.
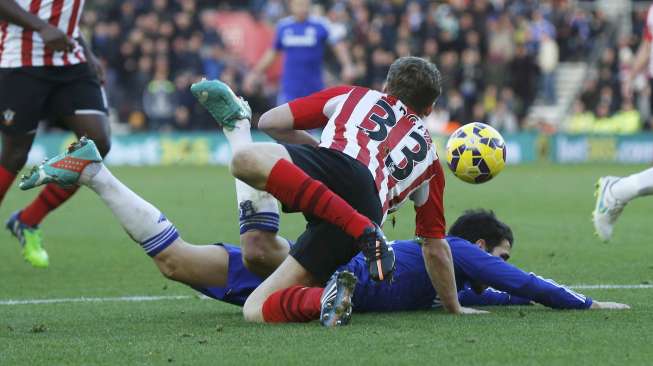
pixel 609 305
pixel 471 311
pixel 348 74
pixel 55 39
pixel 97 67
pixel 250 82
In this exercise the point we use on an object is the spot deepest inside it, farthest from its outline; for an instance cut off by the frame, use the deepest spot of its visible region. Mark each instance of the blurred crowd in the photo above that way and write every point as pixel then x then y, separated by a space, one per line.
pixel 604 105
pixel 496 56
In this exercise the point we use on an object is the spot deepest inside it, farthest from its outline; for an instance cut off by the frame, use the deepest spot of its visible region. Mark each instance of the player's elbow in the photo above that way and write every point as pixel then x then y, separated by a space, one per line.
pixel 277 119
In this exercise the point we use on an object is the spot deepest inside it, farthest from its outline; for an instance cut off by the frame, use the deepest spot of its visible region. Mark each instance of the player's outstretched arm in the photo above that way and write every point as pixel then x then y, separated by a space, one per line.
pixel 439 265
pixel 52 36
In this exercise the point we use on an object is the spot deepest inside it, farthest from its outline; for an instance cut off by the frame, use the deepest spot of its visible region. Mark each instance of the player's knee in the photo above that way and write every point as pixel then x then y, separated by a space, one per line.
pixel 243 164
pixel 15 160
pixel 258 247
pixel 169 267
pixel 103 145
pixel 265 121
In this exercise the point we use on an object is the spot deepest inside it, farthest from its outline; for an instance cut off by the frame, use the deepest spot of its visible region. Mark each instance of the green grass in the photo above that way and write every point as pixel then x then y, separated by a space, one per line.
pixel 547 206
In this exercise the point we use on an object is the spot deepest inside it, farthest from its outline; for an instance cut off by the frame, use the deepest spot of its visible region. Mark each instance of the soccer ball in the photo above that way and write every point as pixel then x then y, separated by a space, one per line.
pixel 476 153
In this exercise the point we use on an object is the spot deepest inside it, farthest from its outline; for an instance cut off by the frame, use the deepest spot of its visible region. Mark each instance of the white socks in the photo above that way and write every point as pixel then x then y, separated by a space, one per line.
pixel 632 186
pixel 143 222
pixel 258 209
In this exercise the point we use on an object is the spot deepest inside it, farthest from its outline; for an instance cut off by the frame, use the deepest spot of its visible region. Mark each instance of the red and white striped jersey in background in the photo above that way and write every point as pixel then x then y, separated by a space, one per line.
pixel 388 138
pixel 648 35
pixel 20 47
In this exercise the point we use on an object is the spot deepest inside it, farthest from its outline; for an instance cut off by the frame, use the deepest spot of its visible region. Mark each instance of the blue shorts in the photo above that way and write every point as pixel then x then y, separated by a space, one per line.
pixel 240 281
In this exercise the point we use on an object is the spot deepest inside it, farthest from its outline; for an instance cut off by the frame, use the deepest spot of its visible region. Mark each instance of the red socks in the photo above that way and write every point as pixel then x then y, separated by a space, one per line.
pixel 51 197
pixel 295 189
pixel 6 180
pixel 293 304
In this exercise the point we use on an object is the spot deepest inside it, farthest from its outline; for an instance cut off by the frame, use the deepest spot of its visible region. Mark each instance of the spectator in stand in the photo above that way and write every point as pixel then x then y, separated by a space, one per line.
pixel 159 102
pixel 501 49
pixel 547 59
pixel 523 75
pixel 476 44
pixel 503 119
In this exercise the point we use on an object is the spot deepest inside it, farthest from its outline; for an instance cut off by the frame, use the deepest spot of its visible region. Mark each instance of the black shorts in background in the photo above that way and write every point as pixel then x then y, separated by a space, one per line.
pixel 323 247
pixel 32 94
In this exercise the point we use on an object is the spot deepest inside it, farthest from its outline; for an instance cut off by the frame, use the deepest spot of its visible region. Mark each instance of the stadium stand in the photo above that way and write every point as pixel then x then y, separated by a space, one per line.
pixel 154 49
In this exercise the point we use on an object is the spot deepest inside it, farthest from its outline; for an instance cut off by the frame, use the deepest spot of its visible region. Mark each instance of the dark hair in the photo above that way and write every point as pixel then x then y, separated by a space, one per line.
pixel 473 225
pixel 415 81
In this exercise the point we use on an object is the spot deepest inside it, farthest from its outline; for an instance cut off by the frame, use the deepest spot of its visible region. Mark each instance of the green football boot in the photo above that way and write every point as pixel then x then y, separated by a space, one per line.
pixel 63 169
pixel 30 239
pixel 221 102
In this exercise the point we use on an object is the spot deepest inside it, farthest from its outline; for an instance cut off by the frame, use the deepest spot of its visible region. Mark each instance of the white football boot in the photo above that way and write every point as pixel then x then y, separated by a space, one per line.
pixel 607 208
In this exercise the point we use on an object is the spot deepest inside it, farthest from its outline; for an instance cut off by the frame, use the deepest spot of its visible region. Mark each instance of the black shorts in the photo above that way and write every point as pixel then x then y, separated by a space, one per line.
pixel 323 247
pixel 29 95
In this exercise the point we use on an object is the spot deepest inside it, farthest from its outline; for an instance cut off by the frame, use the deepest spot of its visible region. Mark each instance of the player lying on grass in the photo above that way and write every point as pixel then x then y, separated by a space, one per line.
pixel 480 245
pixel 374 154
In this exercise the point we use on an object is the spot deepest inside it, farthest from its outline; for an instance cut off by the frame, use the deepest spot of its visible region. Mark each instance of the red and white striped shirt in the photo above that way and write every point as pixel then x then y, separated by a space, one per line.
pixel 20 47
pixel 648 35
pixel 388 138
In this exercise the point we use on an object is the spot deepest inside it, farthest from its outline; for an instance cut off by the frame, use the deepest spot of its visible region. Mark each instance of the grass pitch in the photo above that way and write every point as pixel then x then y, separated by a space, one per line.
pixel 547 206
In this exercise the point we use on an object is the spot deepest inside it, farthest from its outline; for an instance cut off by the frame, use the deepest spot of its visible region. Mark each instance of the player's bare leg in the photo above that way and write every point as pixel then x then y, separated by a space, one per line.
pixel 254 163
pixel 195 265
pixel 289 274
pixel 15 149
pixel 287 296
pixel 190 264
pixel 93 125
pixel 258 210
pixel 612 195
pixel 263 250
pixel 25 223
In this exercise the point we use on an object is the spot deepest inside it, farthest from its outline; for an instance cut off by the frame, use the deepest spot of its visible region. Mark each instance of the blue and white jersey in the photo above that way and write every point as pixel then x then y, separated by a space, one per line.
pixel 303 45
pixel 488 297
pixel 411 288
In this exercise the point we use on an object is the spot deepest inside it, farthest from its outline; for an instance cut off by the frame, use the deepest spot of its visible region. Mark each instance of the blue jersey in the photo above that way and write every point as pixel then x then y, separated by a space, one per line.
pixel 411 288
pixel 303 45
pixel 489 296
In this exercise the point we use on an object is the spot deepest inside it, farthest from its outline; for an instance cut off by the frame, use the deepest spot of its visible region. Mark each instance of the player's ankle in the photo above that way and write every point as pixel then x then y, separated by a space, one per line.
pixel 356 226
pixel 89 172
